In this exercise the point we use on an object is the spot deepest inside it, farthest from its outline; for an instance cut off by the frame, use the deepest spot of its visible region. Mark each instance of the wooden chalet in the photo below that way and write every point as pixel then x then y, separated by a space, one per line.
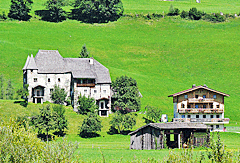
pixel 174 135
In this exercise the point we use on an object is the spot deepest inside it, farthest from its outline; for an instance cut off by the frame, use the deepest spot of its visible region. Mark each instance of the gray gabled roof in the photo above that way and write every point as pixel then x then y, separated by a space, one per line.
pixel 26 63
pixel 174 125
pixel 50 61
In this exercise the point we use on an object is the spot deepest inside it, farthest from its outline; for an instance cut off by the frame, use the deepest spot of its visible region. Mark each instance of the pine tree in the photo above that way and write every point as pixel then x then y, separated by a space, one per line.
pixel 9 90
pixel 59 119
pixel 44 121
pixel 19 9
pixel 84 53
pixel 56 13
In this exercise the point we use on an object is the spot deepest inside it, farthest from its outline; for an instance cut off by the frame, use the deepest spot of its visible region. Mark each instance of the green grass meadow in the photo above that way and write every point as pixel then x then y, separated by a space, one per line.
pixel 165 56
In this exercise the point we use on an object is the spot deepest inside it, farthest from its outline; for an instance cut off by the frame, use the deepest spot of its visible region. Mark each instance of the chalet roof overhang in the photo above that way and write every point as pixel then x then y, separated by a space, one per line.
pixel 174 126
pixel 198 87
pixel 39 86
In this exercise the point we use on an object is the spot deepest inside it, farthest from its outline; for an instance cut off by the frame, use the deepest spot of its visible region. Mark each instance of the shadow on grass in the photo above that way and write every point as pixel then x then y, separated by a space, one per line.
pixel 22 103
pixel 44 137
pixel 113 131
pixel 58 133
pixel 89 135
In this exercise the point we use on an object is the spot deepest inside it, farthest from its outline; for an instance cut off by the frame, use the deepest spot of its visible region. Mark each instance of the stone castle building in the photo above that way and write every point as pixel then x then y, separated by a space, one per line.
pixel 84 76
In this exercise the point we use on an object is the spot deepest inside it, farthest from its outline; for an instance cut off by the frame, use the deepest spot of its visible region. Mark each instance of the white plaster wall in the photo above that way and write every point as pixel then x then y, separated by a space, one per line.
pixel 42 79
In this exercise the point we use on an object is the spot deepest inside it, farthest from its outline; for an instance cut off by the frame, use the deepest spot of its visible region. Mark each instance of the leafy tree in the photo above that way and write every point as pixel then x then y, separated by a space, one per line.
pixel 9 90
pixel 153 113
pixel 58 95
pixel 91 124
pixel 59 119
pixel 84 53
pixel 44 121
pixel 97 11
pixel 55 12
pixel 1 87
pixel 122 122
pixel 19 9
pixel 86 104
pixel 126 94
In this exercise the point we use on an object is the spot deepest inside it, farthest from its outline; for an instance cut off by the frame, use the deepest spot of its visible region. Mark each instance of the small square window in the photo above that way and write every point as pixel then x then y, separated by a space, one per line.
pixel 59 79
pixel 204 116
pixel 189 116
pixel 204 106
pixel 104 91
pixel 196 96
pixel 211 116
pixel 204 96
pixel 217 106
pixel 185 96
pixel 217 126
pixel 197 116
pixel 196 106
pixel 49 80
pixel 35 79
pixel 85 91
pixel 189 106
pixel 51 90
pixel 214 96
pixel 95 91
pixel 217 116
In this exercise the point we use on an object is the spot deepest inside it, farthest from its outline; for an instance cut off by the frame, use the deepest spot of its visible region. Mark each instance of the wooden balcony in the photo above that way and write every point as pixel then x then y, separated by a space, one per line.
pixel 200 100
pixel 210 120
pixel 86 85
pixel 200 110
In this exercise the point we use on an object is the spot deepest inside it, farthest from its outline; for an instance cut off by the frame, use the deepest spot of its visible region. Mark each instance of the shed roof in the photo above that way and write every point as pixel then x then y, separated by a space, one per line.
pixel 50 61
pixel 174 125
pixel 195 88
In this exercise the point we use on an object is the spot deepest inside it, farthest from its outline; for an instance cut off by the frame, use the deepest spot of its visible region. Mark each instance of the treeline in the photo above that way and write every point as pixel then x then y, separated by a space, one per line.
pixel 89 11
pixel 192 14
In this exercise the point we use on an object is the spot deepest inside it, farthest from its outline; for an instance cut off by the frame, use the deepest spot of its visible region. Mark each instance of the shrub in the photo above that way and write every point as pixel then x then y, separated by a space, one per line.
pixel 215 17
pixel 194 14
pixel 3 16
pixel 86 105
pixel 153 113
pixel 58 95
pixel 90 126
pixel 184 14
pixel 59 119
pixel 173 11
pixel 95 11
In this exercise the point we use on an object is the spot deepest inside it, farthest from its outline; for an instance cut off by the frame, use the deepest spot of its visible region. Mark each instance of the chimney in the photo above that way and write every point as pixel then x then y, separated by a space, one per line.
pixel 194 85
pixel 91 61
pixel 205 85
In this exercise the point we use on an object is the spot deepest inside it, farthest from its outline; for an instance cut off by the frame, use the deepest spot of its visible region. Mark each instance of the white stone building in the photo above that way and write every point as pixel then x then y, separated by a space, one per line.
pixel 76 75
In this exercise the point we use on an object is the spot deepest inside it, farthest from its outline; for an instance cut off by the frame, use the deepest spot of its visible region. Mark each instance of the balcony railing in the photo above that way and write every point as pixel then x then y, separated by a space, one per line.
pixel 200 100
pixel 200 110
pixel 86 85
pixel 226 120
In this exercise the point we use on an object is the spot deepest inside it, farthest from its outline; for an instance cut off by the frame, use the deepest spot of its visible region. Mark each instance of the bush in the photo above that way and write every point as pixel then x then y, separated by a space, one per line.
pixel 19 9
pixel 95 11
pixel 184 14
pixel 3 16
pixel 19 144
pixel 215 17
pixel 58 95
pixel 194 14
pixel 173 11
pixel 153 113
pixel 90 126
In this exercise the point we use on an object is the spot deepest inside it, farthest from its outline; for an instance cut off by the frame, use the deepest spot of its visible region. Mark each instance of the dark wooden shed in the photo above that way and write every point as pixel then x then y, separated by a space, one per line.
pixel 174 135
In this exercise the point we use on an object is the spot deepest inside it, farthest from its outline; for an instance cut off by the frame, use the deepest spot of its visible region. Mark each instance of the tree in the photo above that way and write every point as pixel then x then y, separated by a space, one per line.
pixel 86 104
pixel 91 124
pixel 59 119
pixel 122 122
pixel 153 113
pixel 84 53
pixel 173 11
pixel 58 95
pixel 19 9
pixel 194 14
pixel 9 90
pixel 23 92
pixel 97 11
pixel 126 96
pixel 55 12
pixel 44 121
pixel 1 87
